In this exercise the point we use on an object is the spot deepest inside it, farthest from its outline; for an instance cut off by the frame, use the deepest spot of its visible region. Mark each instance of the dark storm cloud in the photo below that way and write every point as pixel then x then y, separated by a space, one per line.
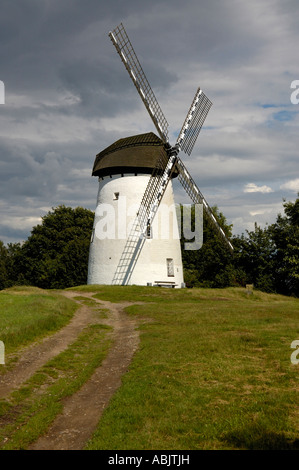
pixel 68 96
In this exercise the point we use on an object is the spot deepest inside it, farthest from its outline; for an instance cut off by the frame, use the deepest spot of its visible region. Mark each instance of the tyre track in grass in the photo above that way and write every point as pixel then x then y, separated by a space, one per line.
pixel 32 357
pixel 81 411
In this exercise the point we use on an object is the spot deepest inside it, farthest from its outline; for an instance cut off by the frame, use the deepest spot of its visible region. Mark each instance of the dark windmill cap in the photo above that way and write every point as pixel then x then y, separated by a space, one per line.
pixel 135 154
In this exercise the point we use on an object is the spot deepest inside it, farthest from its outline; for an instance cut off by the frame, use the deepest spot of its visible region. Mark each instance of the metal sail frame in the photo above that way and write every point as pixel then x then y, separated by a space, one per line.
pixel 130 60
pixel 161 175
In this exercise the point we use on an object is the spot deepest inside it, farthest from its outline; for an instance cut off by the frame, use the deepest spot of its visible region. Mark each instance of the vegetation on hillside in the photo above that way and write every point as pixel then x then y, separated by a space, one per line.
pixel 29 314
pixel 56 254
pixel 267 258
pixel 213 371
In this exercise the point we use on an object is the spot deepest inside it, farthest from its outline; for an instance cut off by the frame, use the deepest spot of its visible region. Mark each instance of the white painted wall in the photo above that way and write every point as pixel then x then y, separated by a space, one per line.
pixel 105 253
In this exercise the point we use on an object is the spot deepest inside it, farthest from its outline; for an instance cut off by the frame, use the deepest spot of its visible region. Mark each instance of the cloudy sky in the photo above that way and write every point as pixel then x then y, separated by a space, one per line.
pixel 68 96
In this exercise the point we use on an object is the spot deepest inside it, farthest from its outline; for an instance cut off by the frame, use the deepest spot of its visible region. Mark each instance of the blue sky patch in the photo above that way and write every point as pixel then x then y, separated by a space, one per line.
pixel 266 105
pixel 284 116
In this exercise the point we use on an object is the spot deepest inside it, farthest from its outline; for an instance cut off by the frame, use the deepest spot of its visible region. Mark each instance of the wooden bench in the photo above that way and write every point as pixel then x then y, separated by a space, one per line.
pixel 165 284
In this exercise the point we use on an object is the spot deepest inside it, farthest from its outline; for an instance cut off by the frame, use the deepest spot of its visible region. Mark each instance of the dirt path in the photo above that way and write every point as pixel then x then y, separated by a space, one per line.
pixel 82 411
pixel 36 355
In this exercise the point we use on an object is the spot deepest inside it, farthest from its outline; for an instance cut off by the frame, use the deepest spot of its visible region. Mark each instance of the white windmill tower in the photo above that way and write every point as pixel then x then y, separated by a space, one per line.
pixel 138 170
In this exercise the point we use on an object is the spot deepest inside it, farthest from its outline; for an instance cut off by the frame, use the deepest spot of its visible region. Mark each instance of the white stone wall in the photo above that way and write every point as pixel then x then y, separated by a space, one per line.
pixel 123 195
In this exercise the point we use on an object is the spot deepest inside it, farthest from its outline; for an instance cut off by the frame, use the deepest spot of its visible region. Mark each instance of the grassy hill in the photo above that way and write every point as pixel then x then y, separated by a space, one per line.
pixel 213 369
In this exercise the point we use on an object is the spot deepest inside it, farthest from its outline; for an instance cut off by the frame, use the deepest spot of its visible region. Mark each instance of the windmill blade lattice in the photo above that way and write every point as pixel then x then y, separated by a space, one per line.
pixel 196 196
pixel 127 54
pixel 194 121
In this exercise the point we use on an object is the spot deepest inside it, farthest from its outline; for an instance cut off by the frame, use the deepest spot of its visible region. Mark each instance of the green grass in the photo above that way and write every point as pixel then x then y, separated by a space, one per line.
pixel 28 314
pixel 159 294
pixel 28 412
pixel 213 372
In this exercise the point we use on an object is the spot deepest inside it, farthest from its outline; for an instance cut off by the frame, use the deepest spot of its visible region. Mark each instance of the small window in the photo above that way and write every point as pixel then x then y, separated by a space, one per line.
pixel 148 230
pixel 170 267
pixel 92 236
pixel 116 196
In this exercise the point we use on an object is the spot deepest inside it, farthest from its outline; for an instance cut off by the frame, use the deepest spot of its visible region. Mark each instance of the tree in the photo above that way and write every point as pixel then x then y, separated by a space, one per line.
pixel 211 265
pixel 269 257
pixel 3 266
pixel 285 233
pixel 56 253
pixel 255 257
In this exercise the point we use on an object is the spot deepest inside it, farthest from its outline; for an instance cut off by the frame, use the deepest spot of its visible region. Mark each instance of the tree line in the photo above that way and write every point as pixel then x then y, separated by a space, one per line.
pixel 55 255
pixel 266 257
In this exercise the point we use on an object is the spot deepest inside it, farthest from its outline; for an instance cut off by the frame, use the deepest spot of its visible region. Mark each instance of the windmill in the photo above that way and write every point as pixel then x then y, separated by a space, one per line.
pixel 166 165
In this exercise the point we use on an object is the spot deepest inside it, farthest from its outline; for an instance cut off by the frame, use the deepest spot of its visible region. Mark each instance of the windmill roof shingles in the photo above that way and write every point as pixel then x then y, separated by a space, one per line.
pixel 135 154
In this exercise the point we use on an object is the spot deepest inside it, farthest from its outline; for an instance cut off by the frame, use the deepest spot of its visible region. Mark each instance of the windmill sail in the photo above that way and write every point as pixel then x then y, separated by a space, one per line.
pixel 196 197
pixel 161 175
pixel 127 54
pixel 194 121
